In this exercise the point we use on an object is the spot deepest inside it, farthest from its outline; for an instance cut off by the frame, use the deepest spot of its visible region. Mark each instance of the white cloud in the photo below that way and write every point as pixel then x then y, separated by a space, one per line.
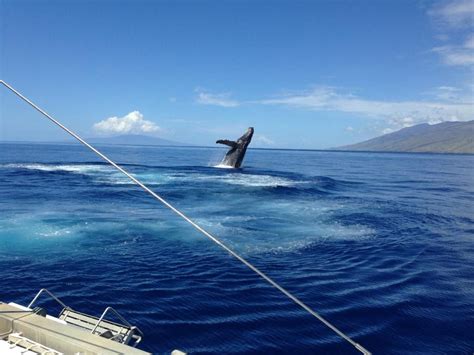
pixel 349 129
pixel 469 43
pixel 398 113
pixel 447 93
pixel 132 123
pixel 453 55
pixel 263 140
pixel 454 13
pixel 207 98
pixel 387 130
pixel 455 16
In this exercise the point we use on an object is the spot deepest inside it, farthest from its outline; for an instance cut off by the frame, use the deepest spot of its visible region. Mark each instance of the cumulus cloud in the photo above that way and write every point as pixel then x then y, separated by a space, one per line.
pixel 207 98
pixel 132 123
pixel 399 113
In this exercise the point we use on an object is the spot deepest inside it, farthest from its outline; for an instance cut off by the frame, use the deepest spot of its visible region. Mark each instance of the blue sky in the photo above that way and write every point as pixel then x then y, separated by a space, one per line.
pixel 305 74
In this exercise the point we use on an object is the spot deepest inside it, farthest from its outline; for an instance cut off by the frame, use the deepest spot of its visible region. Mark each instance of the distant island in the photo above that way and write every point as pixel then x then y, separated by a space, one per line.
pixel 134 139
pixel 445 137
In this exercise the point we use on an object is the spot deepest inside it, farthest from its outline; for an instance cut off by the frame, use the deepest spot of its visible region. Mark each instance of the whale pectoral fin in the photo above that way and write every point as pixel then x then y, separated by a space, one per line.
pixel 227 142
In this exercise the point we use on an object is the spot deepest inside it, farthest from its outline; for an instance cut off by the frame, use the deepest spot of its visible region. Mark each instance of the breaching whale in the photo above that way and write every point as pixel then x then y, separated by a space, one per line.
pixel 236 153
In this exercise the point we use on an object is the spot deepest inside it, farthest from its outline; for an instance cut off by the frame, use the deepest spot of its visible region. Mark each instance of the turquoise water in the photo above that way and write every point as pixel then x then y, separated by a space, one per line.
pixel 379 244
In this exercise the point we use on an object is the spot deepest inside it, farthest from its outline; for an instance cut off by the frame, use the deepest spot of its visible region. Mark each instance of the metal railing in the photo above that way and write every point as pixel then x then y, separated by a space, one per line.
pixel 44 290
pixel 133 329
pixel 134 332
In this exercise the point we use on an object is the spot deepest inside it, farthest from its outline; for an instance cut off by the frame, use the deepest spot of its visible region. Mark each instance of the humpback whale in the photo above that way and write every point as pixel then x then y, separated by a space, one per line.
pixel 236 153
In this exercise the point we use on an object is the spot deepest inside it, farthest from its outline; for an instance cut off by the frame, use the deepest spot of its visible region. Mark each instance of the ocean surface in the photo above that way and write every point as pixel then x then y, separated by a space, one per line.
pixel 380 244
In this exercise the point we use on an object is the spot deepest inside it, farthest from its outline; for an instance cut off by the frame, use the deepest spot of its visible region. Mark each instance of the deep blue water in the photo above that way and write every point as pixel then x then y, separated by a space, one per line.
pixel 379 244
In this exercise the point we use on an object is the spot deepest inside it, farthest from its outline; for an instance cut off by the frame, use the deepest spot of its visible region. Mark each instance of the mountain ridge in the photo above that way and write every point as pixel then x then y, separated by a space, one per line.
pixel 445 137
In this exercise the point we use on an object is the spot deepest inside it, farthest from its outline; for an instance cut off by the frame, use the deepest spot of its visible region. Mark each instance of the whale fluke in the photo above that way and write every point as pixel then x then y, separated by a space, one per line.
pixel 236 153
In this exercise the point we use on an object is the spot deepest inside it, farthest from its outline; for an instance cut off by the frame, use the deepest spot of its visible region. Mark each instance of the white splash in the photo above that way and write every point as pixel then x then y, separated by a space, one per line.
pixel 113 177
pixel 255 180
pixel 79 168
pixel 223 166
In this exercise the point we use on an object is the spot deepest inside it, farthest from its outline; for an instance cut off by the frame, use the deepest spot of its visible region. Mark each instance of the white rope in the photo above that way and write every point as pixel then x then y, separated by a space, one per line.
pixel 200 229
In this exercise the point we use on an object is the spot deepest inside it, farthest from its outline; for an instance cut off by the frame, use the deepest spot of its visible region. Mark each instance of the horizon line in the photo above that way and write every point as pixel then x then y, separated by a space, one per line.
pixel 329 150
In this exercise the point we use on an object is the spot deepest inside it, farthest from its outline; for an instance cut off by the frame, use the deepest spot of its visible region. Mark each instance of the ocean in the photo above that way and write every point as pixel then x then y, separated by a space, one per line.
pixel 380 244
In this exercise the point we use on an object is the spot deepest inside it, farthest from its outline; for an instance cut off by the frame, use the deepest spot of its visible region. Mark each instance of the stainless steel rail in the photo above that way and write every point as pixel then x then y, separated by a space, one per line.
pixel 133 333
pixel 43 290
pixel 133 329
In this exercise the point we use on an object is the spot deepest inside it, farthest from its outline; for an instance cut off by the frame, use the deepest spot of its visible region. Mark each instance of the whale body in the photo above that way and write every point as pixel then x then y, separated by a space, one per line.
pixel 236 153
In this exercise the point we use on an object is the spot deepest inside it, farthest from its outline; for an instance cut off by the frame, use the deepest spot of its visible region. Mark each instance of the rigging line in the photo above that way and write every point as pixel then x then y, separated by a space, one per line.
pixel 195 225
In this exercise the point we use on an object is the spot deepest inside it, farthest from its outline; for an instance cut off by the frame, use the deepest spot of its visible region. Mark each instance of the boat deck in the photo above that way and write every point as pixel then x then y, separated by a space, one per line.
pixel 52 333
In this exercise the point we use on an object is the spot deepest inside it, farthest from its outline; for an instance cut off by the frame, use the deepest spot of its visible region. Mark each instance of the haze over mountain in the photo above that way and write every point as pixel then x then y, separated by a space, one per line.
pixel 445 137
pixel 134 139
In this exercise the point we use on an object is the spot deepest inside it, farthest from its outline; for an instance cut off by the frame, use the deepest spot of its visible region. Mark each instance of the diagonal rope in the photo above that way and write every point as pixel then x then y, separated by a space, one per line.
pixel 195 225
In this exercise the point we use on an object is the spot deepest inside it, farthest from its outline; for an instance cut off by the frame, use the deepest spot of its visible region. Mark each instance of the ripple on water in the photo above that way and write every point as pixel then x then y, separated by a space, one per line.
pixel 371 249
